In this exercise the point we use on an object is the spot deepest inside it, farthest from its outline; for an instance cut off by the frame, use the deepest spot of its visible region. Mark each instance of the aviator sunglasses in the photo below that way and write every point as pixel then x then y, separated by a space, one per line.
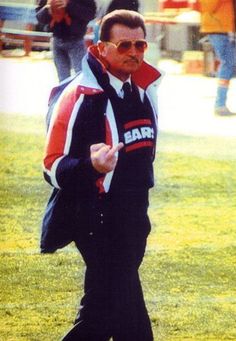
pixel 125 45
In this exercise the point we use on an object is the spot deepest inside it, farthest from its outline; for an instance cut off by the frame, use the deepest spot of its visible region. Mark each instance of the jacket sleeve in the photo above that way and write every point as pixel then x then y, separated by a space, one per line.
pixel 63 168
pixel 121 4
pixel 84 10
pixel 42 14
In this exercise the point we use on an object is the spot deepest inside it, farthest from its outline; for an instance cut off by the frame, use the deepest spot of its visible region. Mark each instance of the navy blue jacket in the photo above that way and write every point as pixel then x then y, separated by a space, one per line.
pixel 86 113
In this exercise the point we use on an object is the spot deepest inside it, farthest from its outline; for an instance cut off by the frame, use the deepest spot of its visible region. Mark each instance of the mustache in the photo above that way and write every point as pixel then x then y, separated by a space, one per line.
pixel 132 59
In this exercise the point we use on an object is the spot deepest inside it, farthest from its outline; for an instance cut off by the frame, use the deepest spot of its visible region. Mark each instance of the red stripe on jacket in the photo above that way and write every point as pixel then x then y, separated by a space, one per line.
pixel 136 123
pixel 57 137
pixel 139 145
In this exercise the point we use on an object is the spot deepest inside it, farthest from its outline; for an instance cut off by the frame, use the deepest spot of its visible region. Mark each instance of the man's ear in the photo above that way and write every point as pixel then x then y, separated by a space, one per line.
pixel 101 48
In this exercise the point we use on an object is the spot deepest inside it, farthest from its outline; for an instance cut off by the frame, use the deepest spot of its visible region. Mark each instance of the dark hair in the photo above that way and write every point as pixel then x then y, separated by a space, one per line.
pixel 124 17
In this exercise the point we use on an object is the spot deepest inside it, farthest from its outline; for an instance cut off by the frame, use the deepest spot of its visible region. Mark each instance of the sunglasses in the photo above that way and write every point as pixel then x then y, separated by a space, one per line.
pixel 125 45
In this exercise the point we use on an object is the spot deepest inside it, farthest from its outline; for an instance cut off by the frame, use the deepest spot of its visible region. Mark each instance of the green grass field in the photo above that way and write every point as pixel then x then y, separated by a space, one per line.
pixel 188 274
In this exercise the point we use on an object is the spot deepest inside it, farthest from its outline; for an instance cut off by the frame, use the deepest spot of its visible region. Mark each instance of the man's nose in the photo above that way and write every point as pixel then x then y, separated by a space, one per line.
pixel 132 50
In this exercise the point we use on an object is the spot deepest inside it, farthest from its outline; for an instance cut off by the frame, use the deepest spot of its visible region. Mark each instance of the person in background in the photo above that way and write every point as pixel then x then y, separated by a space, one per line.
pixel 132 5
pixel 218 20
pixel 100 150
pixel 68 20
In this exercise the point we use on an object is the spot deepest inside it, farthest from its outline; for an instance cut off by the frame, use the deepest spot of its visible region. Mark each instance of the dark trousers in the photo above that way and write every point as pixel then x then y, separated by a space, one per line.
pixel 111 237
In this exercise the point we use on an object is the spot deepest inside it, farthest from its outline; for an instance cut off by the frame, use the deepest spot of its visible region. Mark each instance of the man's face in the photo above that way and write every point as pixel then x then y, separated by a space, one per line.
pixel 122 64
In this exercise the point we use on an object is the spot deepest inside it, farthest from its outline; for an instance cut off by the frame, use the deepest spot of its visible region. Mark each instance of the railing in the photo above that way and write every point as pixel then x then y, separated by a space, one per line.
pixel 28 36
pixel 25 14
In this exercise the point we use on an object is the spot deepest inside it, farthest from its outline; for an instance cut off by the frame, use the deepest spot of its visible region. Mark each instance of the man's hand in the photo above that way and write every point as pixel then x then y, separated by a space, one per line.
pixel 103 157
pixel 57 4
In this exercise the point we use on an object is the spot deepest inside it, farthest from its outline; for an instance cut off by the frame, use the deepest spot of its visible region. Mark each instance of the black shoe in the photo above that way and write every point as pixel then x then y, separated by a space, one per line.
pixel 76 333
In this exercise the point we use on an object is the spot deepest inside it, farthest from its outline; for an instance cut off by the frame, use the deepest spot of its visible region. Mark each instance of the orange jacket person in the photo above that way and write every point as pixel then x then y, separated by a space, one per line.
pixel 218 21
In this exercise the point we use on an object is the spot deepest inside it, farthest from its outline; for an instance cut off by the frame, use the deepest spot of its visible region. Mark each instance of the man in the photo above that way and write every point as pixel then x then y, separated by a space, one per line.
pixel 218 20
pixel 68 20
pixel 100 150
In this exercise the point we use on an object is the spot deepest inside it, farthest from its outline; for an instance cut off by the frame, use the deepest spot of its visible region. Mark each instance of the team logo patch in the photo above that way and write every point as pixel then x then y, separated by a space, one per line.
pixel 138 134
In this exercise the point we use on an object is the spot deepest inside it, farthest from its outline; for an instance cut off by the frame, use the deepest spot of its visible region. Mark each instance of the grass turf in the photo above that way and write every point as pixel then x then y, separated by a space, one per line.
pixel 188 272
